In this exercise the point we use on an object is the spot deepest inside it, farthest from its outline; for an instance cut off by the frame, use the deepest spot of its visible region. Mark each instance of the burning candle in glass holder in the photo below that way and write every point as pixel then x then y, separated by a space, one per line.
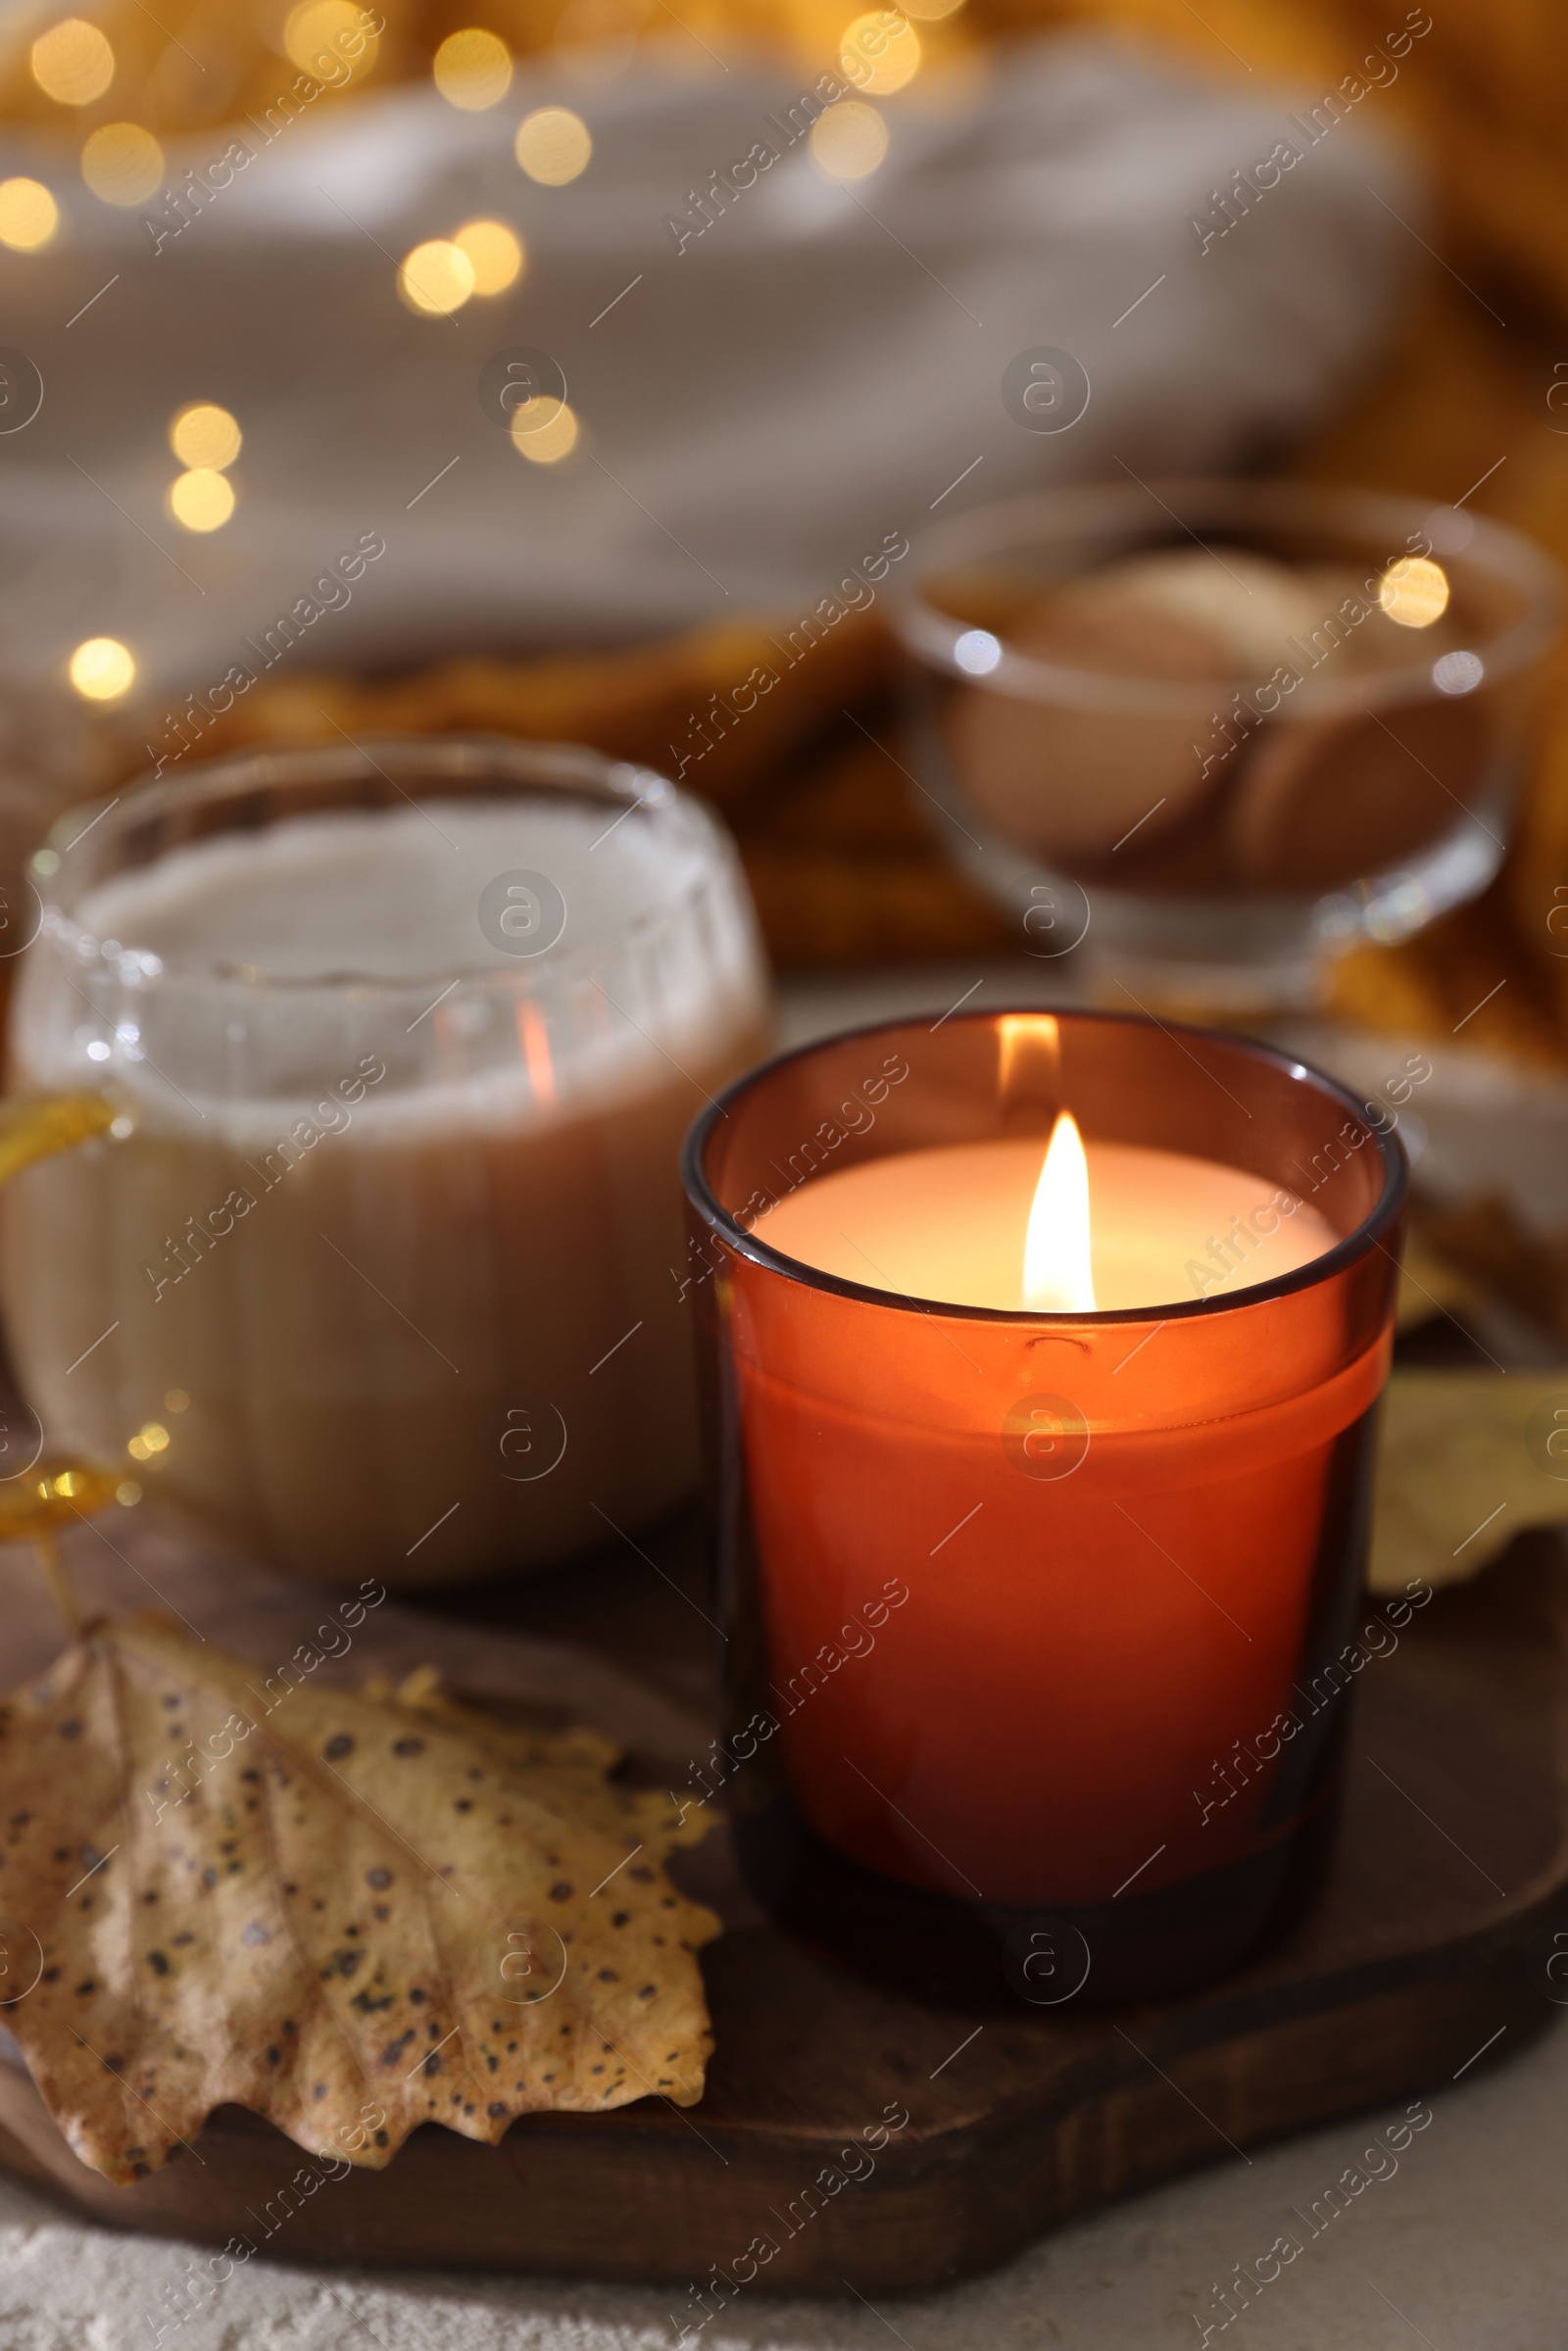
pixel 1048 1347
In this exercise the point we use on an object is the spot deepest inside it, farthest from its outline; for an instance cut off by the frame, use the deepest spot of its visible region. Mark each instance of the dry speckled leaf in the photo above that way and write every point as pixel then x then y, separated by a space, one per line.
pixel 1464 1467
pixel 1430 1284
pixel 565 1768
pixel 351 1916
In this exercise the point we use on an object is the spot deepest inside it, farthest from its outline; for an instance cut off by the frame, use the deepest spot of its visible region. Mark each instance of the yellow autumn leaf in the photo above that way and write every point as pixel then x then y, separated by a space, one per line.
pixel 349 1914
pixel 1430 1284
pixel 1468 1460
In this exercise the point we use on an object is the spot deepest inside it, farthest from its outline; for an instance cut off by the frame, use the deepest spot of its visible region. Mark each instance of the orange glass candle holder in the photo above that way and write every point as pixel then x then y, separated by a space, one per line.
pixel 1031 1616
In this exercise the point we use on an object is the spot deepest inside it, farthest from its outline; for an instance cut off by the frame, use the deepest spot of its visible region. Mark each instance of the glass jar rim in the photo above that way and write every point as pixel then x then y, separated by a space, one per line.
pixel 1040 516
pixel 1383 1214
pixel 574 770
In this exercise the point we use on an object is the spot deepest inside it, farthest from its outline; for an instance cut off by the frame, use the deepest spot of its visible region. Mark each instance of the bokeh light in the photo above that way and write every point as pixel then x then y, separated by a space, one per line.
pixel 204 434
pixel 849 140
pixel 102 668
pixel 1414 591
pixel 978 651
pixel 472 69
pixel 315 29
pixel 877 58
pixel 436 278
pixel 123 164
pixel 28 215
pixel 553 145
pixel 494 253
pixel 73 61
pixel 544 430
pixel 930 12
pixel 202 498
pixel 1459 672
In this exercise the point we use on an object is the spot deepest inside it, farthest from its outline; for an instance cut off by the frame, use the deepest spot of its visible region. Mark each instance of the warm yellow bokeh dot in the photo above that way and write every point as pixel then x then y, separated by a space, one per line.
pixel 436 279
pixel 472 69
pixel 28 215
pixel 123 164
pixel 880 52
pixel 73 61
pixel 849 140
pixel 494 253
pixel 314 34
pixel 202 498
pixel 544 430
pixel 102 668
pixel 149 1442
pixel 1414 592
pixel 553 145
pixel 204 434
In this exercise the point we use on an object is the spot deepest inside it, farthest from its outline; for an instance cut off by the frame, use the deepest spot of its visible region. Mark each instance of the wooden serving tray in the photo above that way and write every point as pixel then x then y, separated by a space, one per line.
pixel 1426 1957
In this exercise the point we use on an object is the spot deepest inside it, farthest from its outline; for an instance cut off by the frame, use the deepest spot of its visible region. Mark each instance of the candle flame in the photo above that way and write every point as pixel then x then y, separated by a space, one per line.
pixel 1058 1276
pixel 1031 1054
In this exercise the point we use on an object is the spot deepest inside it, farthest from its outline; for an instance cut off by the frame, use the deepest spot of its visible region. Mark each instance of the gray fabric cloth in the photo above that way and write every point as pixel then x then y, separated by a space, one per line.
pixel 764 405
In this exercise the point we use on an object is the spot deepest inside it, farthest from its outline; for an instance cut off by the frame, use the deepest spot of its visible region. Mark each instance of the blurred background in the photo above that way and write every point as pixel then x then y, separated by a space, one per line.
pixel 538 369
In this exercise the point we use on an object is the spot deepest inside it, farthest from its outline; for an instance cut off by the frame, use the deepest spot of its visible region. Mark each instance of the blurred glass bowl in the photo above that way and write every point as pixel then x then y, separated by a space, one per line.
pixel 1213 733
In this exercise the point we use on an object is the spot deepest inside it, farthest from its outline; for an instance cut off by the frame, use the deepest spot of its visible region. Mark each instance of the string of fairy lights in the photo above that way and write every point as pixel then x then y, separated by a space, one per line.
pixel 73 63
